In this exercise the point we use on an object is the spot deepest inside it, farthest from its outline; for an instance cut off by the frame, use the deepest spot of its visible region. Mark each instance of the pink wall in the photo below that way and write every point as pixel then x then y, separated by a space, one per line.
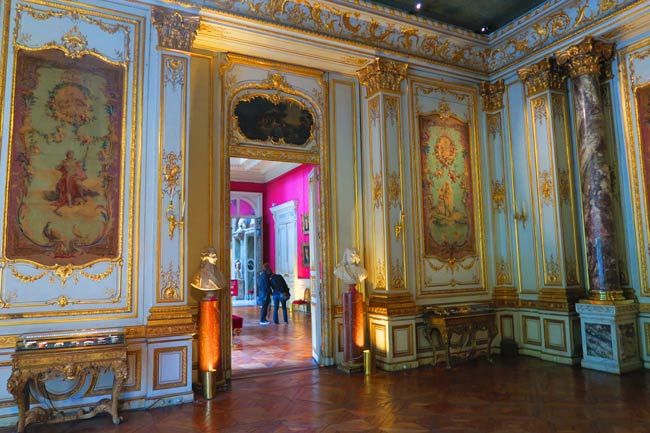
pixel 293 185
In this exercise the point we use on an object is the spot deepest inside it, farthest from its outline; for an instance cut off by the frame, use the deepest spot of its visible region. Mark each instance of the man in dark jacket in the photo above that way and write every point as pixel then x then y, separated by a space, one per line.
pixel 281 294
pixel 264 292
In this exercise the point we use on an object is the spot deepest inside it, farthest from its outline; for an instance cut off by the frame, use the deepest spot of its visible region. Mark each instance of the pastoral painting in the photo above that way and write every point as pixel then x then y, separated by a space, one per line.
pixel 65 160
pixel 282 122
pixel 643 115
pixel 447 195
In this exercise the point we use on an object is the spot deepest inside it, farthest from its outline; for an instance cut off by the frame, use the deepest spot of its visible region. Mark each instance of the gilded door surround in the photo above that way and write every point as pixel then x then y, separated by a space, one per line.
pixel 280 81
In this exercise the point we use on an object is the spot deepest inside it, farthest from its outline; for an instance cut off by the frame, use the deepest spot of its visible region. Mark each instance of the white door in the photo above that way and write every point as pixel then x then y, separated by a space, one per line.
pixel 314 268
pixel 286 241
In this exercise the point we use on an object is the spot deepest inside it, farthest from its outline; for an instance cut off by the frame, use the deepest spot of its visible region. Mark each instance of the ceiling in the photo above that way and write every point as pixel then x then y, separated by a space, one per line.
pixel 257 171
pixel 469 14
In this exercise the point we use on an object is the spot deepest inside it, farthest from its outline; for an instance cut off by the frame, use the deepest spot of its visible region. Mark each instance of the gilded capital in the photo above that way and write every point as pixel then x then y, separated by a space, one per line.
pixel 176 31
pixel 543 76
pixel 587 57
pixel 492 94
pixel 381 74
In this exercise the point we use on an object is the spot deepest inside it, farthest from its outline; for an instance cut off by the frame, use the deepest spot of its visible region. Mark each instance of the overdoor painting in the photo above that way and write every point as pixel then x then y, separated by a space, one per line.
pixel 285 121
pixel 65 160
pixel 445 164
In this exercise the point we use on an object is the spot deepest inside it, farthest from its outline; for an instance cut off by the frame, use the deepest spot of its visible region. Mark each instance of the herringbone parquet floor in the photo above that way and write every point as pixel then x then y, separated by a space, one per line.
pixel 516 395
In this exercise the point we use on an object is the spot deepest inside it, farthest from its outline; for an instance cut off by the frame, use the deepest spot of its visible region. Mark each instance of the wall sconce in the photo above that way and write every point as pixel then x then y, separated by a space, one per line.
pixel 399 227
pixel 171 218
pixel 521 215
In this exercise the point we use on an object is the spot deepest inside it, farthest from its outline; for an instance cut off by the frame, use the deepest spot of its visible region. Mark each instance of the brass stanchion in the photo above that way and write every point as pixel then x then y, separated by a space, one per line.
pixel 367 361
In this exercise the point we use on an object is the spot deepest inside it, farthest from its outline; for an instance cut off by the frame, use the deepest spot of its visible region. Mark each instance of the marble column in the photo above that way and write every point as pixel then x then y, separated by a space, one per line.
pixel 585 62
pixel 608 321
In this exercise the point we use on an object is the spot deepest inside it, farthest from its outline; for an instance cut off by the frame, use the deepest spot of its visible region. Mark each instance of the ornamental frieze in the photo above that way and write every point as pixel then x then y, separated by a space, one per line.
pixel 176 31
pixel 380 27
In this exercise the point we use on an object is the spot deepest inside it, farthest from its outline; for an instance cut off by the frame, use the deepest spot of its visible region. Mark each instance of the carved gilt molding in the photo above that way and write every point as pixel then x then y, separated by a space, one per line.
pixel 382 75
pixel 176 31
pixel 543 76
pixel 587 57
pixel 492 94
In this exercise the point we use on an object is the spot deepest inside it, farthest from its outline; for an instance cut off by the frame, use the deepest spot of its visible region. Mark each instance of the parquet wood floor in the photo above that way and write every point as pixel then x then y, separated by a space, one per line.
pixel 514 395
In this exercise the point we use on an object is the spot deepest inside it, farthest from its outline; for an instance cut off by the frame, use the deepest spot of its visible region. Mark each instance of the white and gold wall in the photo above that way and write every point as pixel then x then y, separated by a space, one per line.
pixel 449 199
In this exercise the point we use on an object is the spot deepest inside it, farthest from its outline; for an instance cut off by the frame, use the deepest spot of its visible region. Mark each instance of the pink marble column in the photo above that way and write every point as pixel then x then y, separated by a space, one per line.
pixel 353 338
pixel 585 62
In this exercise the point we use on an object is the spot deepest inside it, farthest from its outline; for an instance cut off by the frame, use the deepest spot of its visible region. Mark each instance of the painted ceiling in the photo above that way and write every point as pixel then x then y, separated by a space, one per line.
pixel 469 14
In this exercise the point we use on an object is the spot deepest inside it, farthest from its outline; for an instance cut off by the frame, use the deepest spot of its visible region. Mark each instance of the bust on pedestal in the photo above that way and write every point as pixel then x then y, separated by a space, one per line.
pixel 352 273
pixel 208 278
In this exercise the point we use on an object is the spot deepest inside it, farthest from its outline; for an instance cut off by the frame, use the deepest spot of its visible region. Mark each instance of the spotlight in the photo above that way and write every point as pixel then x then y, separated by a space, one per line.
pixel 418 6
pixel 485 30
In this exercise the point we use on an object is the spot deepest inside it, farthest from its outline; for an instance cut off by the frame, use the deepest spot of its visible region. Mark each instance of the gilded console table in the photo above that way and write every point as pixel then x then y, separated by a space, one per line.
pixel 464 321
pixel 72 358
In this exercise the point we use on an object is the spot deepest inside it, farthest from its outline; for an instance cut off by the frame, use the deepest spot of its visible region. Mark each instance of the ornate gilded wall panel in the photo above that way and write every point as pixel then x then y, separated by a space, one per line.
pixel 523 186
pixel 449 246
pixel 71 190
pixel 171 183
pixel 500 218
pixel 635 88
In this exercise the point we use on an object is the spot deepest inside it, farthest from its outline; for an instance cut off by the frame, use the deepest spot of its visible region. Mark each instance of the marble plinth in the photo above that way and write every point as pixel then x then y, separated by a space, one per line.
pixel 609 336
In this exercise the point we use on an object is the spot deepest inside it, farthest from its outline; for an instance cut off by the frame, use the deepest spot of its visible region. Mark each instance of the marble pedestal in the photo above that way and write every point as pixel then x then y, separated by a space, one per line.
pixel 609 336
pixel 353 332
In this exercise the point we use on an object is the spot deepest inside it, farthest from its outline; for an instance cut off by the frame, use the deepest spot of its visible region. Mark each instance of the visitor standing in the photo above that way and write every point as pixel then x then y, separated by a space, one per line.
pixel 264 292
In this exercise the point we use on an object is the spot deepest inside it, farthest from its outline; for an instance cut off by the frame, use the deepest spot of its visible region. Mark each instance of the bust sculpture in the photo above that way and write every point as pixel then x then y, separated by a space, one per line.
pixel 208 277
pixel 349 270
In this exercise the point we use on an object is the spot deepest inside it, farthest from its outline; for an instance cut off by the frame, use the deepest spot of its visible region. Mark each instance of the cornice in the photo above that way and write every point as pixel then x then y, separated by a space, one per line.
pixel 376 27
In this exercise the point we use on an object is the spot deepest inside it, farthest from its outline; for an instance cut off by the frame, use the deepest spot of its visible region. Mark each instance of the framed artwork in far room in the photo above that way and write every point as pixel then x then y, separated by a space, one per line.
pixel 305 224
pixel 304 253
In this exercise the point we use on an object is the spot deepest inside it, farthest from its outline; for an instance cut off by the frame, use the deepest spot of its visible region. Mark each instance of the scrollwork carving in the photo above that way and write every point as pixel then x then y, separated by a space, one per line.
pixel 175 30
pixel 382 74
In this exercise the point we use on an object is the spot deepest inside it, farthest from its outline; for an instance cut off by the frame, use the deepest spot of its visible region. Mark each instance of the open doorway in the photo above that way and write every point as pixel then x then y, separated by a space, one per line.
pixel 273 210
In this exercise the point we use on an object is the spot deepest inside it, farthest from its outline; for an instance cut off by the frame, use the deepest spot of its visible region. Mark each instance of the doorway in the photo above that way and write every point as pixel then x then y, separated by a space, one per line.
pixel 273 220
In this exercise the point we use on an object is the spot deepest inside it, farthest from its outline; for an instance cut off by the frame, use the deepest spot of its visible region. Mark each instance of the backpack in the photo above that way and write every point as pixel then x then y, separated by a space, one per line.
pixel 280 285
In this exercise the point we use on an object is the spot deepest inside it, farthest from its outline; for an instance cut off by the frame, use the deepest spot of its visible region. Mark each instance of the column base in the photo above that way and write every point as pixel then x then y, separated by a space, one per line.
pixel 351 367
pixel 609 336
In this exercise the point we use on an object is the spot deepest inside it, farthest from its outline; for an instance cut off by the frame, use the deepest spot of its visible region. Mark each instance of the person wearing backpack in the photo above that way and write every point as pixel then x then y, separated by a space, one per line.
pixel 280 296
pixel 264 292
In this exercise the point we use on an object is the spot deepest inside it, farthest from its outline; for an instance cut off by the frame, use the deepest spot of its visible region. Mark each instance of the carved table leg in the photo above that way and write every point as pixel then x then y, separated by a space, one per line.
pixel 448 344
pixel 492 332
pixel 119 376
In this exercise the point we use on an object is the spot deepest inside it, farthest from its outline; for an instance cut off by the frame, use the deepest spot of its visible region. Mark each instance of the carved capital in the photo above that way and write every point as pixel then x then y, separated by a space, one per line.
pixel 543 76
pixel 381 74
pixel 492 94
pixel 587 57
pixel 176 31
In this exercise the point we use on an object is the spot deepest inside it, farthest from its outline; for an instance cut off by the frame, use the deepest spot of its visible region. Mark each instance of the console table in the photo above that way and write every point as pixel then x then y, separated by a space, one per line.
pixel 461 320
pixel 39 358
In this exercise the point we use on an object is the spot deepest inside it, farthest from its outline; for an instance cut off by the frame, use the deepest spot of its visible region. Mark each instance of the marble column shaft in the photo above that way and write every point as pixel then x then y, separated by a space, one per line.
pixel 585 61
pixel 602 251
